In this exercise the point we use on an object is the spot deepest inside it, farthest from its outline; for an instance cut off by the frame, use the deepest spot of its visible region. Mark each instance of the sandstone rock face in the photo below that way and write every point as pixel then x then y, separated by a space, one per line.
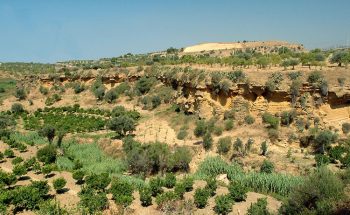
pixel 242 97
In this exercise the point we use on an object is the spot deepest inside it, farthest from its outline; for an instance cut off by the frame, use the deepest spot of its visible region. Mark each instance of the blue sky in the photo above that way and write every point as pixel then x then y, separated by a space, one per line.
pixel 55 30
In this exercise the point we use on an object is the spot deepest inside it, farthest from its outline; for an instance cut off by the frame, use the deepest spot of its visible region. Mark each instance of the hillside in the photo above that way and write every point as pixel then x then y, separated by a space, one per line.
pixel 178 132
pixel 263 45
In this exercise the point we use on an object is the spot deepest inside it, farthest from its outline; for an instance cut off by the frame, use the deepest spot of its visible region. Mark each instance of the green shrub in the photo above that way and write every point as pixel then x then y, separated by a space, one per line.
pixel 93 201
pixel 145 196
pixel 170 180
pixel 43 90
pixel 156 101
pixel 264 148
pixel 47 154
pixel 218 130
pixel 17 108
pixel 346 128
pixel 144 84
pixel 111 96
pixel 287 117
pixel 238 192
pixel 166 197
pixel 211 186
pixel 78 175
pixel 19 170
pixel 48 131
pixel 16 160
pixel 223 204
pixel 97 182
pixel 201 128
pixel 47 169
pixel 249 119
pixel 180 189
pixel 207 141
pixel 323 140
pixel 321 160
pixel 59 183
pixel 182 134
pixel 267 167
pixel 321 186
pixel 180 159
pixel 224 145
pixel 9 153
pixel 259 208
pixel 188 183
pixel 155 185
pixel 122 192
pixel 315 77
pixel 201 197
pixel 122 125
pixel 336 153
pixel 272 121
pixel 20 93
pixel 228 124
pixel 26 198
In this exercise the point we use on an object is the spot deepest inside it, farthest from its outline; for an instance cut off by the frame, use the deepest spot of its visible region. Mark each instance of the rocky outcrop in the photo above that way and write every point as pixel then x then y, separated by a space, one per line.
pixel 201 99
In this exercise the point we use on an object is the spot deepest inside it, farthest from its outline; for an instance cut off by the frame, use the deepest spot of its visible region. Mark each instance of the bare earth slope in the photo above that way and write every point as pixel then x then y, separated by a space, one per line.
pixel 238 45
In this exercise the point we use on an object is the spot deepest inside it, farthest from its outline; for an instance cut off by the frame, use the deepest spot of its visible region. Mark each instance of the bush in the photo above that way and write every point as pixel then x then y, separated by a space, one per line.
pixel 180 159
pixel 228 124
pixel 180 189
pixel 259 208
pixel 144 84
pixel 264 148
pixel 145 196
pixel 93 201
pixel 211 186
pixel 267 167
pixel 16 160
pixel 43 90
pixel 273 134
pixel 201 128
pixel 182 134
pixel 249 119
pixel 315 77
pixel 58 184
pixel 20 93
pixel 272 121
pixel 97 182
pixel 223 204
pixel 170 180
pixel 26 198
pixel 78 175
pixel 336 153
pixel 224 145
pixel 323 140
pixel 201 197
pixel 287 117
pixel 122 192
pixel 9 153
pixel 218 130
pixel 48 131
pixel 321 160
pixel 111 96
pixel 156 101
pixel 47 154
pixel 166 197
pixel 346 128
pixel 321 186
pixel 238 192
pixel 47 169
pixel 17 108
pixel 188 183
pixel 122 125
pixel 19 170
pixel 155 185
pixel 207 141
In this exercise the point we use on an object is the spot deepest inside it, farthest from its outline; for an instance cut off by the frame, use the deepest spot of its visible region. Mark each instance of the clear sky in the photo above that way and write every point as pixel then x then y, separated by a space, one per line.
pixel 55 30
